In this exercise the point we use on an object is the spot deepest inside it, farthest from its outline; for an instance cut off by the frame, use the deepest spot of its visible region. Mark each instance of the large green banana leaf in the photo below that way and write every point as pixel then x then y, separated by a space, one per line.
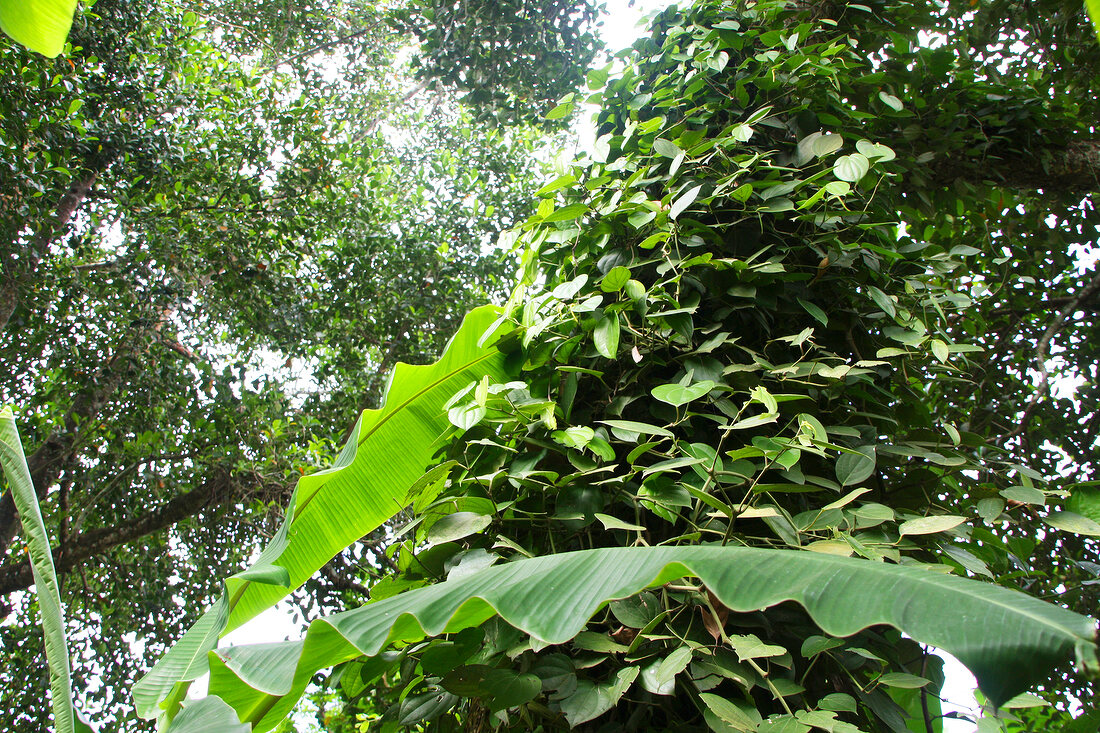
pixel 1008 640
pixel 40 25
pixel 45 579
pixel 368 484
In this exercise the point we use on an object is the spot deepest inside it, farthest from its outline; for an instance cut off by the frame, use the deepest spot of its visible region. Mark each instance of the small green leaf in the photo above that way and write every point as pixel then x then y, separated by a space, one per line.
pixel 555 185
pixel 667 148
pixel 575 437
pixel 593 700
pixel 891 101
pixel 930 525
pixel 610 522
pixel 731 713
pixel 614 280
pixel 940 350
pixel 902 680
pixel 813 310
pixel 466 416
pixel 827 143
pixel 751 647
pixel 817 644
pixel 653 240
pixel 1024 495
pixel 684 201
pixel 990 509
pixel 677 394
pixel 851 168
pixel 638 427
pixel 872 151
pixel 1071 522
pixel 606 335
pixel 560 111
pixel 568 289
pixel 1025 700
pixel 851 468
pixel 456 526
pixel 1085 500
pixel 503 688
pixel 882 300
pixel 567 213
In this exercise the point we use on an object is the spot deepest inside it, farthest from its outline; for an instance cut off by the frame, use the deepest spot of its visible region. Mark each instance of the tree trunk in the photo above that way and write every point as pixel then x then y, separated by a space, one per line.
pixel 14 271
pixel 17 576
pixel 50 459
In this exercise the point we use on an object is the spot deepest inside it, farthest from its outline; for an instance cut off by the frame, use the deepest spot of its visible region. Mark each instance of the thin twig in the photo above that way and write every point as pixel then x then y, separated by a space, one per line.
pixel 1043 346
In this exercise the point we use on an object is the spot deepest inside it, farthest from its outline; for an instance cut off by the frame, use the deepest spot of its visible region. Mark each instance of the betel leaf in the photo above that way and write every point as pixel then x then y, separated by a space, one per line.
pixel 40 25
pixel 1072 522
pixel 1010 641
pixel 851 168
pixel 683 201
pixel 881 153
pixel 614 280
pixel 370 482
pixel 679 394
pixel 930 525
pixel 45 579
pixel 606 335
pixel 592 700
pixel 851 468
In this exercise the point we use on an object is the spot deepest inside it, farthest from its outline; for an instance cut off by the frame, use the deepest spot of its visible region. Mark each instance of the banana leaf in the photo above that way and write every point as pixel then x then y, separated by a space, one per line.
pixel 1008 640
pixel 369 483
pixel 40 25
pixel 45 579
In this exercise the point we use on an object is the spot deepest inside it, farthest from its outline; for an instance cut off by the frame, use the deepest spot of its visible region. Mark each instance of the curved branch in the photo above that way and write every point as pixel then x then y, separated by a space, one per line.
pixel 1041 351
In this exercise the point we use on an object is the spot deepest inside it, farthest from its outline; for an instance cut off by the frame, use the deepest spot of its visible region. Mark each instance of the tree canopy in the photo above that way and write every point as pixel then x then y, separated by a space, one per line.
pixel 777 408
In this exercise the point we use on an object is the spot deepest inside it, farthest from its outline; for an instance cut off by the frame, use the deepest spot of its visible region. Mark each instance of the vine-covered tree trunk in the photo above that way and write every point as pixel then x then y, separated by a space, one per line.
pixel 746 466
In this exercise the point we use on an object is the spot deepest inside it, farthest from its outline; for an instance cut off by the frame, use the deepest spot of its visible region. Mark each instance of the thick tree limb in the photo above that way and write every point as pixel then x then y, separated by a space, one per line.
pixel 48 461
pixel 1042 351
pixel 14 271
pixel 17 576
pixel 1069 169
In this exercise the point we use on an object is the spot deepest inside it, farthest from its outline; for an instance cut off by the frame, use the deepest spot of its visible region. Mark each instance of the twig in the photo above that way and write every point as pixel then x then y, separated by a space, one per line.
pixel 1044 344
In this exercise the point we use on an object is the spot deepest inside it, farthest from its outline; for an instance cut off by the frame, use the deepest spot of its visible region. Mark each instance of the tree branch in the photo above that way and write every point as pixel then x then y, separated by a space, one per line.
pixel 48 461
pixel 14 272
pixel 1042 348
pixel 17 576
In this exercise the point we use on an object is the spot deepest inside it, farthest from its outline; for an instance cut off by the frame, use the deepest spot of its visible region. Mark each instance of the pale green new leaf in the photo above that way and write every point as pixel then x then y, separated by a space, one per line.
pixel 1009 640
pixel 45 580
pixel 369 483
pixel 40 25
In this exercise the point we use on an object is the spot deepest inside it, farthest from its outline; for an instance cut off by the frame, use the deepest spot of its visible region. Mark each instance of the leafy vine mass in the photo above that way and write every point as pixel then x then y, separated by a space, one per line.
pixel 740 442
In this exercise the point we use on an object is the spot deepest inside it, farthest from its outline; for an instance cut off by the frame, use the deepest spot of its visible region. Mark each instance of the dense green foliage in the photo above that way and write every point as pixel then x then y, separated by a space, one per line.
pixel 808 294
pixel 511 59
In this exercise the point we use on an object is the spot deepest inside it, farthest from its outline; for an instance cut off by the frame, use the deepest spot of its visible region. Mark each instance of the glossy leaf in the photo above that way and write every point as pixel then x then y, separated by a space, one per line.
pixel 40 25
pixel 678 394
pixel 1010 642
